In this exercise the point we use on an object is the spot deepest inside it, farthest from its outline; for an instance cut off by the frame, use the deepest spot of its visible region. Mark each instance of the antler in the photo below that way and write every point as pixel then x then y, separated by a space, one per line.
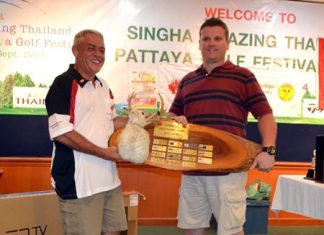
pixel 158 114
pixel 162 110
pixel 152 117
pixel 130 98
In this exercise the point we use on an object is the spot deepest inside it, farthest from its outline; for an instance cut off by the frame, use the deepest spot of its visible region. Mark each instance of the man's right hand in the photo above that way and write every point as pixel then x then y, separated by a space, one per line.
pixel 76 141
pixel 111 153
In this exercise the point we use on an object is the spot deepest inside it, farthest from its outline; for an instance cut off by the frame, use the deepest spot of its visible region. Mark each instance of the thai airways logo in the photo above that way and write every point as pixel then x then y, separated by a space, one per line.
pixel 15 3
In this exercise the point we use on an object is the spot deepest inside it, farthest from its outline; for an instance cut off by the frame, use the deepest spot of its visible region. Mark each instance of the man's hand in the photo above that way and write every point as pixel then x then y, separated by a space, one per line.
pixel 111 153
pixel 75 140
pixel 263 162
pixel 180 119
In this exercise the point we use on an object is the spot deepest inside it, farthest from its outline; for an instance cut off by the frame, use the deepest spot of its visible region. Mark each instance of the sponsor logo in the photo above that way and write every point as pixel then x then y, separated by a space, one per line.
pixel 29 97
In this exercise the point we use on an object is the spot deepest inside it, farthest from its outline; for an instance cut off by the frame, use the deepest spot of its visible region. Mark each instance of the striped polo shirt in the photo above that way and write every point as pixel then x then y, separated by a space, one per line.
pixel 221 99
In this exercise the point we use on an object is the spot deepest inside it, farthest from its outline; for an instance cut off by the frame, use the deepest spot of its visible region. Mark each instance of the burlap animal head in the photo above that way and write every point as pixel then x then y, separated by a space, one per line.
pixel 137 117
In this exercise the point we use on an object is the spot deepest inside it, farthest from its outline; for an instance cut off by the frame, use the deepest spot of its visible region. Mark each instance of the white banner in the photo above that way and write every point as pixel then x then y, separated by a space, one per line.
pixel 157 41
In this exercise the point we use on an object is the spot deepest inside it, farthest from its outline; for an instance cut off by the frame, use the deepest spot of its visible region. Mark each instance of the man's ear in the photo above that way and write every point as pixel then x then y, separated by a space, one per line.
pixel 74 50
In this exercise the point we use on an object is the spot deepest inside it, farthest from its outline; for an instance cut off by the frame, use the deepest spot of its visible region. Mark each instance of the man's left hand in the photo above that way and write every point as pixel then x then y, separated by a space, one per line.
pixel 263 162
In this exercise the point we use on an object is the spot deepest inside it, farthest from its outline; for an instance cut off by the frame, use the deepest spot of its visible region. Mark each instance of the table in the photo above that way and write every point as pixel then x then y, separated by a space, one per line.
pixel 298 195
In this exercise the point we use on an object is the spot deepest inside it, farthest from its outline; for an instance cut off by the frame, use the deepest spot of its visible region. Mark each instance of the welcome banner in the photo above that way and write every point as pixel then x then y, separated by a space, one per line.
pixel 151 45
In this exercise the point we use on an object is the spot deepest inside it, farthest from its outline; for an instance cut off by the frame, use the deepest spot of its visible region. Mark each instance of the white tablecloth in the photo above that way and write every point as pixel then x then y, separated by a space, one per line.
pixel 298 195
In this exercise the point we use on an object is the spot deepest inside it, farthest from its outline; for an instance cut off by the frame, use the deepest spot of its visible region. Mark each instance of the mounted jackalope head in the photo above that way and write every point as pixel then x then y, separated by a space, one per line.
pixel 134 140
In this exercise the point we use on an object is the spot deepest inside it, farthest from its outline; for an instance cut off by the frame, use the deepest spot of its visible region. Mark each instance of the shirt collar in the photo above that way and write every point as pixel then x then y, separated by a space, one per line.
pixel 226 66
pixel 77 76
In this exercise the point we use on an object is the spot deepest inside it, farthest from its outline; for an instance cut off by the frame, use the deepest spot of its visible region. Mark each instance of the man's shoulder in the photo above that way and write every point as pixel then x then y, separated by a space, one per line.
pixel 63 78
pixel 237 69
pixel 102 81
pixel 193 74
pixel 67 76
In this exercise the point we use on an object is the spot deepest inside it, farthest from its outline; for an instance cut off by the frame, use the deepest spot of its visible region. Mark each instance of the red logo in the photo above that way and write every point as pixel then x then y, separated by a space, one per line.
pixel 173 86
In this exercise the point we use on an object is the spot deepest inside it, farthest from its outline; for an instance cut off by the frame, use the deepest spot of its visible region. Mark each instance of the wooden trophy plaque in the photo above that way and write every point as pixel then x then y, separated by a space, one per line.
pixel 196 148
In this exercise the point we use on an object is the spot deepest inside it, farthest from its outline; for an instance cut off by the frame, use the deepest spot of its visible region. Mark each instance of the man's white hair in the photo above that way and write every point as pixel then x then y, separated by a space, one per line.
pixel 84 32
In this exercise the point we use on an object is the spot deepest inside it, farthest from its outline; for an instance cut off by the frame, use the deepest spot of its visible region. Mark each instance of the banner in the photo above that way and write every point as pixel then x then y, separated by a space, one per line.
pixel 151 45
pixel 321 72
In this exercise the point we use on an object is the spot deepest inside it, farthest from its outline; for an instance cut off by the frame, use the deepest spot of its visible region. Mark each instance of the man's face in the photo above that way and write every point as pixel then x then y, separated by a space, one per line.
pixel 213 44
pixel 89 55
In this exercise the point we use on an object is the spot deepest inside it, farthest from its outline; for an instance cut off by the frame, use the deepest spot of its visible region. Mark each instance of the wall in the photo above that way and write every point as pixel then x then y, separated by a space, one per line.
pixel 159 186
pixel 295 142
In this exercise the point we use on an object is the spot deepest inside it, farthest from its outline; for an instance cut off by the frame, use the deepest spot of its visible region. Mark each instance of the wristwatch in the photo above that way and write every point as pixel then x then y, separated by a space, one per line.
pixel 271 150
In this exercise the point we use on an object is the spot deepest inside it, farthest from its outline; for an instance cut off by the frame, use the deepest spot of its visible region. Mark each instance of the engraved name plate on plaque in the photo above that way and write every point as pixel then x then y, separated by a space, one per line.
pixel 196 147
